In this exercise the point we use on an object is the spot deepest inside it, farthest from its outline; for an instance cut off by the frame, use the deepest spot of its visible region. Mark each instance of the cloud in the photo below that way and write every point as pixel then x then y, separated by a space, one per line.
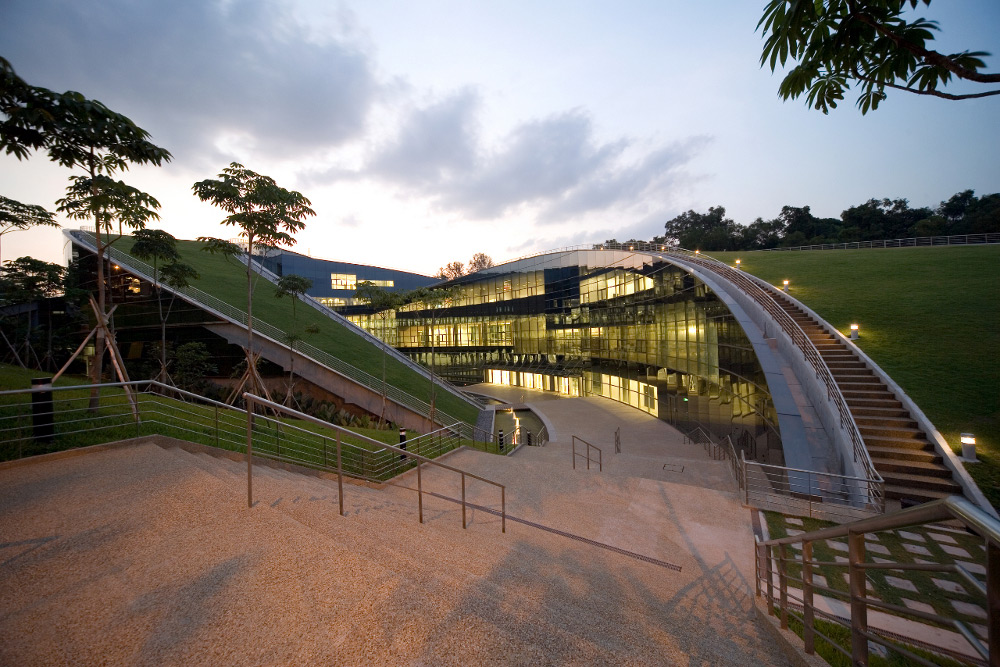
pixel 554 166
pixel 205 78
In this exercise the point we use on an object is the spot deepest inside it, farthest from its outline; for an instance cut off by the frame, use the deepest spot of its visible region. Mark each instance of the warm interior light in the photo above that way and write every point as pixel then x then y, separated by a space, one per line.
pixel 968 439
pixel 693 330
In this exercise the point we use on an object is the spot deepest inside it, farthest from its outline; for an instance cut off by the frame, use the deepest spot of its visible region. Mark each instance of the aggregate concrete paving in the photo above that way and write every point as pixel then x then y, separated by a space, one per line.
pixel 149 555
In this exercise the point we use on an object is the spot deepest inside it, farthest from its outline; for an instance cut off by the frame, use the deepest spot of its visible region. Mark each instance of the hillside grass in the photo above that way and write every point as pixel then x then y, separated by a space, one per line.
pixel 930 317
pixel 225 278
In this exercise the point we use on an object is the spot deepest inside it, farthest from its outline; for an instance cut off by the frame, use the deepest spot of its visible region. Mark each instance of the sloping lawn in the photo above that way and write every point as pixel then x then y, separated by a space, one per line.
pixel 225 278
pixel 930 317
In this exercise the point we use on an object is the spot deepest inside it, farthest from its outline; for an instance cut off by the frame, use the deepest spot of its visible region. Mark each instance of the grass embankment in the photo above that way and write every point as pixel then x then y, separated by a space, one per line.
pixel 225 279
pixel 930 317
pixel 299 441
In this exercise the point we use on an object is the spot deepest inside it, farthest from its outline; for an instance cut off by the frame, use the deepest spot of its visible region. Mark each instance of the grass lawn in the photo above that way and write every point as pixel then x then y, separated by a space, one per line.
pixel 930 317
pixel 225 278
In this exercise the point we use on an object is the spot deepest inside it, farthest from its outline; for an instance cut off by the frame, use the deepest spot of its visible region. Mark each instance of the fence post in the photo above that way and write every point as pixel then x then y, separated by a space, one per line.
pixel 807 598
pixel 216 425
pixel 340 473
pixel 463 500
pixel 783 584
pixel 249 451
pixel 859 604
pixel 770 580
pixel 420 494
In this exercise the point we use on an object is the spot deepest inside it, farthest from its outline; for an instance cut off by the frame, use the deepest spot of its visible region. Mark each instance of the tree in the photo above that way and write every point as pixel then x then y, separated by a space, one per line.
pixel 293 286
pixel 27 280
pixel 704 231
pixel 157 246
pixel 451 271
pixel 383 303
pixel 16 217
pixel 80 133
pixel 266 214
pixel 479 262
pixel 868 42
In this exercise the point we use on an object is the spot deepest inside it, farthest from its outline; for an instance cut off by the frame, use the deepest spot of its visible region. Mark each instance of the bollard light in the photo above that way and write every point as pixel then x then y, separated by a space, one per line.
pixel 969 447
pixel 737 264
pixel 784 286
pixel 854 332
pixel 697 252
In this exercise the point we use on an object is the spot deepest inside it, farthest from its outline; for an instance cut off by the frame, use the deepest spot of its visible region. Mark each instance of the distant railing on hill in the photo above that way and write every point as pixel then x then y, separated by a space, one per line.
pixel 918 241
pixel 229 312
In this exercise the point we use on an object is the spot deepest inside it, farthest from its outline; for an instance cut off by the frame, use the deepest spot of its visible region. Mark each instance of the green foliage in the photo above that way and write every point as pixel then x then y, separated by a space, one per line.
pixel 192 365
pixel 15 216
pixel 28 279
pixel 292 286
pixel 872 43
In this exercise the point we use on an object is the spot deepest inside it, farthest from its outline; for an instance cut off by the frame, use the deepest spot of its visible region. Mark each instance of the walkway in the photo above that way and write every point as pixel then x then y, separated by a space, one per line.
pixel 148 555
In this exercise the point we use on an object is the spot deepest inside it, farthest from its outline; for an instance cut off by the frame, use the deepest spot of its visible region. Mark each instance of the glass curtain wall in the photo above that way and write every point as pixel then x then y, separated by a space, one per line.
pixel 653 337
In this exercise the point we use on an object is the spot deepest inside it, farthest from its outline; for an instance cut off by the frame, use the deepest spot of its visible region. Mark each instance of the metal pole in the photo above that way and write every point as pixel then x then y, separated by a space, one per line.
pixel 503 509
pixel 420 495
pixel 783 584
pixel 216 425
pixel 993 600
pixel 463 500
pixel 249 451
pixel 770 581
pixel 756 566
pixel 600 460
pixel 340 473
pixel 807 598
pixel 574 452
pixel 859 605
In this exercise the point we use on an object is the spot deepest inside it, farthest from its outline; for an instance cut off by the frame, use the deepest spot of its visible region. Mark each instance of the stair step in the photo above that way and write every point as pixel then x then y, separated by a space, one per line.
pixel 877 406
pixel 897 432
pixel 885 421
pixel 921 482
pixel 890 442
pixel 873 394
pixel 862 377
pixel 899 454
pixel 895 466
pixel 897 492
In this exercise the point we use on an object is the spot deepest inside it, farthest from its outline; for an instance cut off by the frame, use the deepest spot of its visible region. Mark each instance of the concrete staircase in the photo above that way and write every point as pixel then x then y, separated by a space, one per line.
pixel 530 596
pixel 901 452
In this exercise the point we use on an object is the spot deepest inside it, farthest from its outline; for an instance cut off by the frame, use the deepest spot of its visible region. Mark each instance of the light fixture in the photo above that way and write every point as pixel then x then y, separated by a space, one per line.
pixel 968 447
pixel 737 264
pixel 697 252
pixel 854 332
pixel 784 286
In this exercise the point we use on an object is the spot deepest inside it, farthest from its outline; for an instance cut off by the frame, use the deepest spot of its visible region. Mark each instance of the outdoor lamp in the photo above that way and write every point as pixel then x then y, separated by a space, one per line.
pixel 697 252
pixel 737 264
pixel 784 286
pixel 968 447
pixel 854 332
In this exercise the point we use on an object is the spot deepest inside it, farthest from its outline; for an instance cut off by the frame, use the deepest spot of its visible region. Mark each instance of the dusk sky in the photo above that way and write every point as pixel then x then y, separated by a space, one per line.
pixel 427 131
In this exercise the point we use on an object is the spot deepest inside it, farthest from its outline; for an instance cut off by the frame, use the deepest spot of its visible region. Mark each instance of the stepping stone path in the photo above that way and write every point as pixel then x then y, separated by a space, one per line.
pixel 950 586
pixel 910 536
pixel 958 552
pixel 967 609
pixel 938 537
pixel 918 606
pixel 877 548
pixel 839 546
pixel 974 568
pixel 794 521
pixel 916 549
pixel 902 584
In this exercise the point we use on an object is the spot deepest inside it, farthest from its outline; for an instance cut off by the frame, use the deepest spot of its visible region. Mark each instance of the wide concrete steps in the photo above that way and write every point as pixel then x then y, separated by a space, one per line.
pixel 901 452
pixel 454 596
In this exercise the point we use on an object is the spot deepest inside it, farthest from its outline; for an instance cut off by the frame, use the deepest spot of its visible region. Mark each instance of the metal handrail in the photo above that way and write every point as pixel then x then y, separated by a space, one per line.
pixel 600 454
pixel 912 242
pixel 276 335
pixel 253 400
pixel 946 509
pixel 801 341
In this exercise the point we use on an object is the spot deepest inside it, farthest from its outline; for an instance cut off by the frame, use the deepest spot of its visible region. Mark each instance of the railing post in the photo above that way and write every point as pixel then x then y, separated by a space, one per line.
pixel 783 584
pixel 756 565
pixel 463 500
pixel 574 452
pixel 249 451
pixel 770 580
pixel 420 494
pixel 340 474
pixel 807 598
pixel 600 460
pixel 216 425
pixel 859 603
pixel 503 509
pixel 993 600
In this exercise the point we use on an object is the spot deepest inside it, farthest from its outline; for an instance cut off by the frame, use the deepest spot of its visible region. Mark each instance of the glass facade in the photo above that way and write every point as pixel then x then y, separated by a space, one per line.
pixel 652 336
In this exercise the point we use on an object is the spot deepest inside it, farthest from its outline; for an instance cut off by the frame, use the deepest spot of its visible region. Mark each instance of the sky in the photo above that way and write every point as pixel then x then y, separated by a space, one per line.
pixel 426 131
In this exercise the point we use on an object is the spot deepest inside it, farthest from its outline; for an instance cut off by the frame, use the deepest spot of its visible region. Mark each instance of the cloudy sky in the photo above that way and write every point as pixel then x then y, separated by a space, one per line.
pixel 424 131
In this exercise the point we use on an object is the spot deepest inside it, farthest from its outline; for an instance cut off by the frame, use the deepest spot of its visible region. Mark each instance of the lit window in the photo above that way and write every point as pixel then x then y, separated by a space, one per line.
pixel 343 281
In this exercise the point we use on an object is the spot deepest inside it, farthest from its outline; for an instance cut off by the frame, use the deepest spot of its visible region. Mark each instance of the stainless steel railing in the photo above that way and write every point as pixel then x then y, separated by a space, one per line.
pixel 775 582
pixel 586 454
pixel 801 342
pixel 402 454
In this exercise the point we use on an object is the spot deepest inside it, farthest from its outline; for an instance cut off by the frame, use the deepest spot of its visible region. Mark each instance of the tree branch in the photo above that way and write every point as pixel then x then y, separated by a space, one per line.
pixel 931 92
pixel 932 57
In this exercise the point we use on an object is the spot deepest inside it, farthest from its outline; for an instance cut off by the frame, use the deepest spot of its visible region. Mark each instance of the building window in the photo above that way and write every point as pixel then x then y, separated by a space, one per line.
pixel 343 281
pixel 377 283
